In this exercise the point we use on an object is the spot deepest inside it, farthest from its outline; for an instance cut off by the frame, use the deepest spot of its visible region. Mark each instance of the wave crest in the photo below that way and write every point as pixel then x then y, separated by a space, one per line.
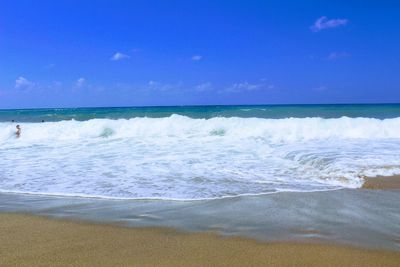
pixel 178 157
pixel 274 130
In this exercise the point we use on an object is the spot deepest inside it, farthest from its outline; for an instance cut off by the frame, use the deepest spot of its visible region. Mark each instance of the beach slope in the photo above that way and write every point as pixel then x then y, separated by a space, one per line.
pixel 37 241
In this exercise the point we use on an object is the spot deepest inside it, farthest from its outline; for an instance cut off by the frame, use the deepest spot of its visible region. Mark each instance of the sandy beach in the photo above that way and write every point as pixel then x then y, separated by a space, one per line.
pixel 382 182
pixel 33 241
pixel 207 133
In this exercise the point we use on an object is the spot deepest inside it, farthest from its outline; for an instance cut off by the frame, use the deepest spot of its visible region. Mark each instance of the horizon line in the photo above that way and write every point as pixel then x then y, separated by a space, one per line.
pixel 207 105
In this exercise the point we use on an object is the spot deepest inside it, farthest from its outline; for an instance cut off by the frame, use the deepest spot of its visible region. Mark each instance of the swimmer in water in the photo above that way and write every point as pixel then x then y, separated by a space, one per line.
pixel 18 132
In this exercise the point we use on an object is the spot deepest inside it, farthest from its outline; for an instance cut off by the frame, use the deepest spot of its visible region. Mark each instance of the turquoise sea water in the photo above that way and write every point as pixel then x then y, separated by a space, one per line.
pixel 379 111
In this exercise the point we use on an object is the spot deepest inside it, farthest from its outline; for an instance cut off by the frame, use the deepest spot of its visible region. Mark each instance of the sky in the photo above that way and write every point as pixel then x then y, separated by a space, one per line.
pixel 151 53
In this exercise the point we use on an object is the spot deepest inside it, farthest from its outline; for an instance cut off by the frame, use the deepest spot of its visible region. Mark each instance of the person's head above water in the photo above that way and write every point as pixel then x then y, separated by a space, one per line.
pixel 18 127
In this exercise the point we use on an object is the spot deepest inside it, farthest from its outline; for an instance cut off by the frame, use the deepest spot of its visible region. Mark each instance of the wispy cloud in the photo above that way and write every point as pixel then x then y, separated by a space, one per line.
pixel 324 23
pixel 238 87
pixel 119 56
pixel 23 83
pixel 153 86
pixel 337 55
pixel 80 82
pixel 196 58
pixel 246 87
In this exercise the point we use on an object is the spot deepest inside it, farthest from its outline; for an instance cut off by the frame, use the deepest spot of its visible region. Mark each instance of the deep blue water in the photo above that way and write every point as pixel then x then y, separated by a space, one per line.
pixel 379 111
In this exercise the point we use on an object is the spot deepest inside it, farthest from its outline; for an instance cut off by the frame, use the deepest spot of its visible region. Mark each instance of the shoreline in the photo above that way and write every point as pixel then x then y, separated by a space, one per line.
pixel 28 240
pixel 332 217
pixel 382 183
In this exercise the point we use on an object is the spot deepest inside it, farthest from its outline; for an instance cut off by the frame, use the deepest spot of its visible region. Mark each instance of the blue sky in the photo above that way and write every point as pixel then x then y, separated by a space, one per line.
pixel 135 53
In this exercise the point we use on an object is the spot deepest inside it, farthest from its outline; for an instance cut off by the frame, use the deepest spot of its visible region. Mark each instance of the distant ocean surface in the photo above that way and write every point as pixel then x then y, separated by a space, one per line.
pixel 199 152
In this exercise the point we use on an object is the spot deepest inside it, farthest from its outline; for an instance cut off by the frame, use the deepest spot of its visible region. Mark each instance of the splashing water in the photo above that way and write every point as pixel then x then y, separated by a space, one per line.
pixel 183 158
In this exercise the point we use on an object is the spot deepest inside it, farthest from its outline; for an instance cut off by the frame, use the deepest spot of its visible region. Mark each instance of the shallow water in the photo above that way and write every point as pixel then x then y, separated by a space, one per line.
pixel 362 218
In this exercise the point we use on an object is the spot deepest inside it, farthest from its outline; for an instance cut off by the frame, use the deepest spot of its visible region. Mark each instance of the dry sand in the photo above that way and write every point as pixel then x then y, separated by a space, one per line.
pixel 36 241
pixel 382 182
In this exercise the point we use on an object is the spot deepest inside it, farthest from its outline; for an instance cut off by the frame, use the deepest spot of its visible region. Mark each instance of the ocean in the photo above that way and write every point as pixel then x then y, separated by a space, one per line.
pixel 199 152
pixel 287 172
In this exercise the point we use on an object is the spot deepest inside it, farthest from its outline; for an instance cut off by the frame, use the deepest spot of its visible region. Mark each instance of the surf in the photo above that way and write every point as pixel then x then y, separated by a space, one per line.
pixel 273 130
pixel 183 158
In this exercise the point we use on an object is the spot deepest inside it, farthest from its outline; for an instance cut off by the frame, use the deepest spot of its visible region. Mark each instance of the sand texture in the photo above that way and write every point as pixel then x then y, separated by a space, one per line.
pixel 383 182
pixel 37 241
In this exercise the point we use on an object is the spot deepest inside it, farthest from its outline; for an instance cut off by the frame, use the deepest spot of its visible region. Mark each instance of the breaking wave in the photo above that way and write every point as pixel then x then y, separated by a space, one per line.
pixel 178 157
pixel 275 130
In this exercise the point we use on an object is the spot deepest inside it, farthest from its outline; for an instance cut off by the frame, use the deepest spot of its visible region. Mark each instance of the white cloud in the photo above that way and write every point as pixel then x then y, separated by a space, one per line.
pixel 324 23
pixel 23 83
pixel 119 56
pixel 80 82
pixel 246 87
pixel 196 58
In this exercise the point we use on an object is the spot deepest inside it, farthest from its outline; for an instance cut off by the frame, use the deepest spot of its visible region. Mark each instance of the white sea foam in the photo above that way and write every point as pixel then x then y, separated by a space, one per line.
pixel 182 158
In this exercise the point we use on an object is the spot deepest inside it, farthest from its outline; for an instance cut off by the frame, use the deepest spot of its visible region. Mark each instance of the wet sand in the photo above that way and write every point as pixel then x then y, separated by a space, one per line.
pixel 33 241
pixel 382 182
